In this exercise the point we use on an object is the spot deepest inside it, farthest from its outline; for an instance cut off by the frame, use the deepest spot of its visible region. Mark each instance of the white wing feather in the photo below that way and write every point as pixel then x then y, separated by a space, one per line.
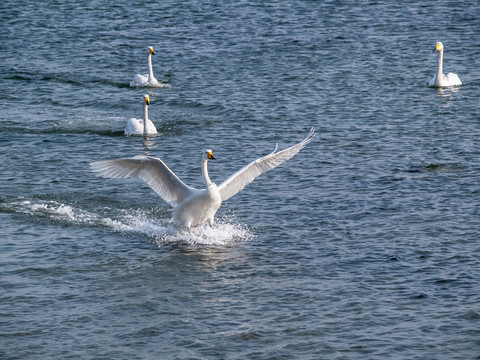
pixel 151 170
pixel 247 174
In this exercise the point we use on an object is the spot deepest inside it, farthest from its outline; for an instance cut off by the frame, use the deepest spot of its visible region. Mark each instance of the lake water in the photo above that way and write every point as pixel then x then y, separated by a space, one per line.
pixel 363 246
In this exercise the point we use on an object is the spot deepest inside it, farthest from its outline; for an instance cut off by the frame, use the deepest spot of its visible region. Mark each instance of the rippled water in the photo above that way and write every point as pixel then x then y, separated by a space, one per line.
pixel 365 245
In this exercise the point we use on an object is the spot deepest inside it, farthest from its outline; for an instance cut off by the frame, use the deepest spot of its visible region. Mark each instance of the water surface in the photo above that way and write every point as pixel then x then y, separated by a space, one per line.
pixel 365 245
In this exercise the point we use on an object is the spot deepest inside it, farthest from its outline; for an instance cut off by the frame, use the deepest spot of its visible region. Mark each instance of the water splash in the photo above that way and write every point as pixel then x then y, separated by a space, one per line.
pixel 222 233
pixel 135 221
pixel 53 210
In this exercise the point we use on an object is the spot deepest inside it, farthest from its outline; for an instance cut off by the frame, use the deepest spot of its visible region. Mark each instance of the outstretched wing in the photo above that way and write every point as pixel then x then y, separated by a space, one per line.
pixel 246 175
pixel 151 170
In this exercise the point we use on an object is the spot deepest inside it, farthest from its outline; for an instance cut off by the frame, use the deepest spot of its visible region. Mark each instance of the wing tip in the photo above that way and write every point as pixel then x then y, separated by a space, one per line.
pixel 309 137
pixel 274 150
pixel 95 165
pixel 98 167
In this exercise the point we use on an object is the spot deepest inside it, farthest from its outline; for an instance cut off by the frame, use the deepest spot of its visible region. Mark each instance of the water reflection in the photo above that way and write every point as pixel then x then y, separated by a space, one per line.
pixel 148 142
pixel 445 94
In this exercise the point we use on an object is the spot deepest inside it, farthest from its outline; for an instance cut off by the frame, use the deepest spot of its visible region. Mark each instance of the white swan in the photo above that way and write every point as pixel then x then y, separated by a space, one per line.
pixel 440 79
pixel 193 207
pixel 141 126
pixel 149 80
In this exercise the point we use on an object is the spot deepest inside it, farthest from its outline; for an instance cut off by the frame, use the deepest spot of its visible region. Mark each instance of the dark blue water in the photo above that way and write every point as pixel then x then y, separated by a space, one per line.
pixel 363 246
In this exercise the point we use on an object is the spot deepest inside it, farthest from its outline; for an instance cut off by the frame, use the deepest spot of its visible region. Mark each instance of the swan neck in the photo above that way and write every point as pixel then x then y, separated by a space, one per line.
pixel 150 69
pixel 206 178
pixel 440 64
pixel 145 117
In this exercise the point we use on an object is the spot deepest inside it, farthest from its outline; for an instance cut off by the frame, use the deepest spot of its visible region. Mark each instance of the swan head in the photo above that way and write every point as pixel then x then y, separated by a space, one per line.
pixel 438 46
pixel 208 155
pixel 146 99
pixel 150 51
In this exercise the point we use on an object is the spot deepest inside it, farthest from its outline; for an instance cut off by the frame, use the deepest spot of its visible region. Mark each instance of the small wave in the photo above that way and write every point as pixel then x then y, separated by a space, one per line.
pixel 135 221
pixel 436 167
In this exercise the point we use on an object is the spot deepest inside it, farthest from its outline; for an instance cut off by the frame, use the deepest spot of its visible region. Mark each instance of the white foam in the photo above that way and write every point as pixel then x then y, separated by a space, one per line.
pixel 139 221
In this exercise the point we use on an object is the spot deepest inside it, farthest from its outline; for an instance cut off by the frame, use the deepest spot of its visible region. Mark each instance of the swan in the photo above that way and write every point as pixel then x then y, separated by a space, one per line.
pixel 440 80
pixel 193 207
pixel 141 126
pixel 149 80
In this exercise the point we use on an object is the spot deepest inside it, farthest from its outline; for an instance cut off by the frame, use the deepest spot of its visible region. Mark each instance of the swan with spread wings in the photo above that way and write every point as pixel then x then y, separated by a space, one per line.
pixel 193 207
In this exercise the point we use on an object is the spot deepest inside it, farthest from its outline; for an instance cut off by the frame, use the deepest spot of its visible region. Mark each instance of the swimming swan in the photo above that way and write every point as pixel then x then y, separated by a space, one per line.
pixel 141 126
pixel 193 207
pixel 149 80
pixel 440 80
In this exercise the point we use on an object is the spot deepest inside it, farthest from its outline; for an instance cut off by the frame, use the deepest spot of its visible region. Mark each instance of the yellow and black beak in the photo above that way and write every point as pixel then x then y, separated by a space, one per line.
pixel 151 51
pixel 147 100
pixel 210 155
pixel 437 46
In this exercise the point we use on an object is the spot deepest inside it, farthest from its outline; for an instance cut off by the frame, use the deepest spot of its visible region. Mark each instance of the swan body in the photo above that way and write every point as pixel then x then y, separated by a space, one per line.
pixel 440 79
pixel 141 126
pixel 193 207
pixel 147 80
